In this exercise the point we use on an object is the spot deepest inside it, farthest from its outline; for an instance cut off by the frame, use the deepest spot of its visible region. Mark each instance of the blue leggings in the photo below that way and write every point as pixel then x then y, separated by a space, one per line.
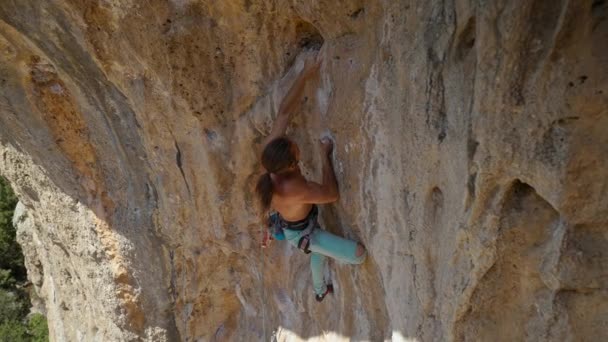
pixel 325 244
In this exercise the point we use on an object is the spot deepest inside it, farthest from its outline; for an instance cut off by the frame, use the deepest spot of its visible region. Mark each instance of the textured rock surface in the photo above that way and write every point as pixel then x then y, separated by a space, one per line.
pixel 472 156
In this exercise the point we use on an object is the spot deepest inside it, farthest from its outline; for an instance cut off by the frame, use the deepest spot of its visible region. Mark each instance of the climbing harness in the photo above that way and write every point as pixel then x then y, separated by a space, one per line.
pixel 275 229
pixel 277 225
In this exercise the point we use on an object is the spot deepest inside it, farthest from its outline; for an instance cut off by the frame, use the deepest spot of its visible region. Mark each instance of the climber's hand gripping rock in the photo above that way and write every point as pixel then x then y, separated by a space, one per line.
pixel 327 146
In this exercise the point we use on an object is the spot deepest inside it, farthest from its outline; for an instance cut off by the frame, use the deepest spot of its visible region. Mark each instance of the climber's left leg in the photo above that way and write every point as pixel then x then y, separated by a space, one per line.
pixel 317 264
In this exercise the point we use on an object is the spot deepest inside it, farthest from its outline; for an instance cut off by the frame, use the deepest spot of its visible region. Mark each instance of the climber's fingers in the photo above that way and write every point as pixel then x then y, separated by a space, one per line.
pixel 327 145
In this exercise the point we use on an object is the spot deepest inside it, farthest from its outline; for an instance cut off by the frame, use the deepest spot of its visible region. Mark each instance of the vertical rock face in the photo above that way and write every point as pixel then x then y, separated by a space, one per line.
pixel 472 157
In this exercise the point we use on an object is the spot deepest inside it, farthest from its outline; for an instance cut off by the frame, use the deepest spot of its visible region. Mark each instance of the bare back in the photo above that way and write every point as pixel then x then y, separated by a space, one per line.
pixel 287 196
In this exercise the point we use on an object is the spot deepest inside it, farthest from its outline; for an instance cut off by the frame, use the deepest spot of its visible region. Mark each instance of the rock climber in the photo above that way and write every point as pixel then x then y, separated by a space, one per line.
pixel 293 199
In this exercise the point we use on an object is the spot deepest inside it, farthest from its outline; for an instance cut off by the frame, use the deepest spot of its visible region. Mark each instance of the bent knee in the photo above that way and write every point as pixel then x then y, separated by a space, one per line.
pixel 360 253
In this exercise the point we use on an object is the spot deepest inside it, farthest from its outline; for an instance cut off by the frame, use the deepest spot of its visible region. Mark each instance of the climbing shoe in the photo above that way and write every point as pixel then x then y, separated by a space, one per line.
pixel 330 289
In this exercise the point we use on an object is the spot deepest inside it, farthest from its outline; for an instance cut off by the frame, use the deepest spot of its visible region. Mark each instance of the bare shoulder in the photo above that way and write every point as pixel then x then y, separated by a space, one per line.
pixel 292 187
pixel 302 191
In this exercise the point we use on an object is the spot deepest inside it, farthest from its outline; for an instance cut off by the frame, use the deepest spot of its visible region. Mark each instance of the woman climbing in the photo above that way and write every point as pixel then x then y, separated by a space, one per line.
pixel 284 189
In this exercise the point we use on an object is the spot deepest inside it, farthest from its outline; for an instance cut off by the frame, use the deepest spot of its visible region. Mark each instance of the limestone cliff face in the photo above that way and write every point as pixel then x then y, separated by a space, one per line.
pixel 472 157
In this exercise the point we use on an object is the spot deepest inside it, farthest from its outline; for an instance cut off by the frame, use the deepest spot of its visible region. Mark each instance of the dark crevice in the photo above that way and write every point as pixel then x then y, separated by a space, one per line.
pixel 151 193
pixel 178 159
pixel 599 12
pixel 582 79
pixel 434 207
pixel 471 148
pixel 357 13
pixel 436 113
pixel 308 37
pixel 516 193
pixel 471 185
pixel 597 5
pixel 173 280
pixel 565 120
pixel 466 39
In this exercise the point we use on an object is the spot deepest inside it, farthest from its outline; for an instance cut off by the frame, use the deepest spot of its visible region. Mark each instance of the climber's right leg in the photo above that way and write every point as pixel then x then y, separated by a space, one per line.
pixel 333 246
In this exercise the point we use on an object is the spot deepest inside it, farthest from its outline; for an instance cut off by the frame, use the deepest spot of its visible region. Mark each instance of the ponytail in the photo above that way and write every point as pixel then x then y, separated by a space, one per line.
pixel 264 191
pixel 278 155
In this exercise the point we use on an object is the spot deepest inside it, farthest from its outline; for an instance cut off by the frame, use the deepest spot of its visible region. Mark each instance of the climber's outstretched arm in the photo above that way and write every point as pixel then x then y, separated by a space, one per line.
pixel 290 101
pixel 304 191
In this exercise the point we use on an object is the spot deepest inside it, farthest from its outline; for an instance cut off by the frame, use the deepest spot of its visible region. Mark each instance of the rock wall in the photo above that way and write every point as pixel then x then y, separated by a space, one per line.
pixel 472 157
